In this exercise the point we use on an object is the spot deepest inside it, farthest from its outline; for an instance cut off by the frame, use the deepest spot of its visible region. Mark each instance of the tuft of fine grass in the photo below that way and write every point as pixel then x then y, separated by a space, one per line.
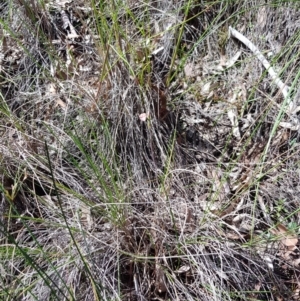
pixel 122 175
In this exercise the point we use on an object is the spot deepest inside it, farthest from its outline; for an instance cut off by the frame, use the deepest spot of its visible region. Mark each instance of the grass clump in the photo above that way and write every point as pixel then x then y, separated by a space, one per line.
pixel 137 162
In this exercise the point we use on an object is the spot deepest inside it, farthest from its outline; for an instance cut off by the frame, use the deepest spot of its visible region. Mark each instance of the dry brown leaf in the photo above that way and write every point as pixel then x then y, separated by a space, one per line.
pixel 262 17
pixel 234 236
pixel 60 103
pixel 205 89
pixel 189 70
pixel 289 240
pixel 183 269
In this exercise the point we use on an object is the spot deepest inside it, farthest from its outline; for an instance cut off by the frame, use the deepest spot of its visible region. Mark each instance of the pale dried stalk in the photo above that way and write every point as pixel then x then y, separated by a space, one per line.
pixel 281 85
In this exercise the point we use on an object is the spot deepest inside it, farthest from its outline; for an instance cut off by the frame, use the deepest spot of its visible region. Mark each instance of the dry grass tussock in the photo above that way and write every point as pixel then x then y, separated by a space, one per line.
pixel 136 162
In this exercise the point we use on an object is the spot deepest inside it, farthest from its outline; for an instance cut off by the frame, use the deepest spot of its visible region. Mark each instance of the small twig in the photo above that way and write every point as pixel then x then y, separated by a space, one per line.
pixel 281 85
pixel 293 109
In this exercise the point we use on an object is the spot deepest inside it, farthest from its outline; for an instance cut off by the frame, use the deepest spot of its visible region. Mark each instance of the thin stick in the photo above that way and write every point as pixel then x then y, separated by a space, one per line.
pixel 282 86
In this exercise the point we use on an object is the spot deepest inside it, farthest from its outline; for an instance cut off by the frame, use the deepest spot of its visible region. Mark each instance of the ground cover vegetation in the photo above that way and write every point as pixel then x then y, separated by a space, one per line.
pixel 147 151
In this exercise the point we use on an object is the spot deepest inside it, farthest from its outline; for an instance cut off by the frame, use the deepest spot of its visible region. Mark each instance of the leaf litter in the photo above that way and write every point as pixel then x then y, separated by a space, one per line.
pixel 186 201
